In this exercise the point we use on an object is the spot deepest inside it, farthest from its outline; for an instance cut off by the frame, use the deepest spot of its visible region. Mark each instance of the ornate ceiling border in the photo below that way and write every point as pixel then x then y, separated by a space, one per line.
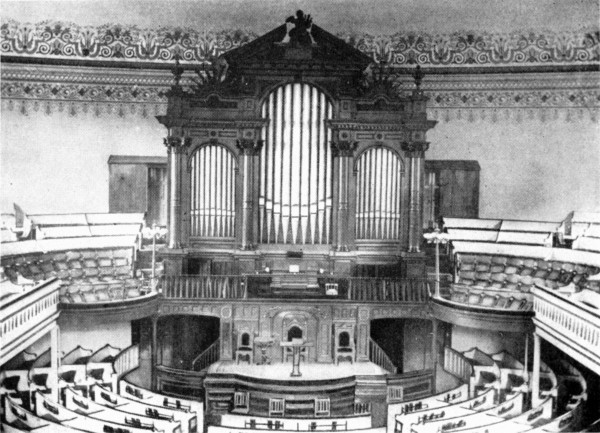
pixel 113 43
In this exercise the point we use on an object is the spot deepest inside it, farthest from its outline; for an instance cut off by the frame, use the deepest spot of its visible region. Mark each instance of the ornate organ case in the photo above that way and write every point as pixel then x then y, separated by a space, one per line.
pixel 295 148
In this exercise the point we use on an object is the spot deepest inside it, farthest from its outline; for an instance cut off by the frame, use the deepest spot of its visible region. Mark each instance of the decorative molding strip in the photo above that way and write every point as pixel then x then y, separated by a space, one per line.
pixel 113 43
pixel 125 92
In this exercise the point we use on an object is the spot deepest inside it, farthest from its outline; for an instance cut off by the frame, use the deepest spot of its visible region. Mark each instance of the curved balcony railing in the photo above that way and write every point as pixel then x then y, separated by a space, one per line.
pixel 23 313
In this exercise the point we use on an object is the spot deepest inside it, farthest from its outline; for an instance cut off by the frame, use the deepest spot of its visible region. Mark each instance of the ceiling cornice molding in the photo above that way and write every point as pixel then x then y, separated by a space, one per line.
pixel 124 92
pixel 115 44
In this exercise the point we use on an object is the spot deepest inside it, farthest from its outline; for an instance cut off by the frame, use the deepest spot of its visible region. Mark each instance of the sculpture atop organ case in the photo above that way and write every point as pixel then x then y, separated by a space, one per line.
pixel 295 142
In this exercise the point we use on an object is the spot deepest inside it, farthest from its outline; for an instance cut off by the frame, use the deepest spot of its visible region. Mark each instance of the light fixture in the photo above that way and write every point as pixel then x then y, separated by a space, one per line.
pixel 437 237
pixel 152 233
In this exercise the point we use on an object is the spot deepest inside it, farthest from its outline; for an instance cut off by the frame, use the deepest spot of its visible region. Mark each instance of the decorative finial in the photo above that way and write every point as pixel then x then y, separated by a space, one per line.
pixel 418 75
pixel 301 33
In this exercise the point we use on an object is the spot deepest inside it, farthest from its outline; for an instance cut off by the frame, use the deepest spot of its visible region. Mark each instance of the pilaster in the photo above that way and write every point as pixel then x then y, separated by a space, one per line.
pixel 343 153
pixel 249 149
pixel 415 152
pixel 176 147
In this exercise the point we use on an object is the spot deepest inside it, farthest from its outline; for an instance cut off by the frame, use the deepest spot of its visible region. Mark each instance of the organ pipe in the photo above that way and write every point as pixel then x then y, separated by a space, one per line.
pixel 378 191
pixel 212 192
pixel 295 195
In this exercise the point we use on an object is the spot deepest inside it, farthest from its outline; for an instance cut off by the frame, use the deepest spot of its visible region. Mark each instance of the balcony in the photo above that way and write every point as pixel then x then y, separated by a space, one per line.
pixel 299 286
pixel 26 316
pixel 571 323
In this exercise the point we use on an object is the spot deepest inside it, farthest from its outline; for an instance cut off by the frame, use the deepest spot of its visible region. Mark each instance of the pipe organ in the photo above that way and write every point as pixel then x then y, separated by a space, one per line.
pixel 295 149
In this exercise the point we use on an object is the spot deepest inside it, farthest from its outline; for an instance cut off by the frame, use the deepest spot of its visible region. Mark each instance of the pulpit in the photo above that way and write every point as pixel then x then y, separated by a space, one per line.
pixel 296 345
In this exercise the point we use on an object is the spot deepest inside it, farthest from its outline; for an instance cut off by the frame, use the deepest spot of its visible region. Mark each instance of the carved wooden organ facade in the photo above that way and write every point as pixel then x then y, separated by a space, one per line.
pixel 294 145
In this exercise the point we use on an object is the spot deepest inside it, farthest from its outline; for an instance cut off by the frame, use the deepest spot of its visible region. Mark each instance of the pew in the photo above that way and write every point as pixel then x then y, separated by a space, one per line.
pixel 494 414
pixel 257 422
pixel 455 395
pixel 105 397
pixel 134 392
pixel 52 411
pixel 77 403
pixel 18 419
pixel 458 409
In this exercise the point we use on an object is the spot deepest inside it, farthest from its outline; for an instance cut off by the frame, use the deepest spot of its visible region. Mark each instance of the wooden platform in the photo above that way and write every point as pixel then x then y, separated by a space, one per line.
pixel 309 371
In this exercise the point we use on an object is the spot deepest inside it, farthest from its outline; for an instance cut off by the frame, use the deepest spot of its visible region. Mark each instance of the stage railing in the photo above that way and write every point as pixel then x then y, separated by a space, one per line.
pixel 457 364
pixel 379 357
pixel 208 357
pixel 258 286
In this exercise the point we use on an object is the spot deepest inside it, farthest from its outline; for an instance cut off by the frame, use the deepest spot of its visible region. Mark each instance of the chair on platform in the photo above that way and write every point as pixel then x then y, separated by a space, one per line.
pixel 344 344
pixel 244 350
pixel 294 333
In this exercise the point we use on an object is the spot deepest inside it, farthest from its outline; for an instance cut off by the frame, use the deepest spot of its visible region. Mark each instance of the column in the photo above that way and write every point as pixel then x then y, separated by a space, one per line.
pixel 535 382
pixel 249 149
pixel 154 352
pixel 434 352
pixel 343 152
pixel 415 152
pixel 54 362
pixel 176 148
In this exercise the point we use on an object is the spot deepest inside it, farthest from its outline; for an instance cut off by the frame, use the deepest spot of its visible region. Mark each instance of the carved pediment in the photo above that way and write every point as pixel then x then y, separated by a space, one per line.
pixel 296 46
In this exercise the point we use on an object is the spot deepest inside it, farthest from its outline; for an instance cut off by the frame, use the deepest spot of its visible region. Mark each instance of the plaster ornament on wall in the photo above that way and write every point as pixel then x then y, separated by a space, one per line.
pixel 114 42
pixel 466 93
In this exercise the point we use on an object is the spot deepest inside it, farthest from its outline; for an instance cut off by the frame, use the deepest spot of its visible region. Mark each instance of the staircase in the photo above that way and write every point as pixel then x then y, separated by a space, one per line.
pixel 379 357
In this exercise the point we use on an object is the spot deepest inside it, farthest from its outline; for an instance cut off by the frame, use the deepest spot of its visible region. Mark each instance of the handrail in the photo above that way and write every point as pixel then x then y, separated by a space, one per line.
pixel 127 360
pixel 568 321
pixel 26 311
pixel 208 357
pixel 379 357
pixel 204 286
pixel 260 285
pixel 457 364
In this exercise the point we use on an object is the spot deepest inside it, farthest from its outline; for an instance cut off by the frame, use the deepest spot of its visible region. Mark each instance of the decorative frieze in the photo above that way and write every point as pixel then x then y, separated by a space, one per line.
pixel 118 43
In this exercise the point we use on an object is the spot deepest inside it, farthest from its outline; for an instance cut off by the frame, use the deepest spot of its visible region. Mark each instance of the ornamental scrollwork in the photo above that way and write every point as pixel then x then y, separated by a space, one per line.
pixel 115 42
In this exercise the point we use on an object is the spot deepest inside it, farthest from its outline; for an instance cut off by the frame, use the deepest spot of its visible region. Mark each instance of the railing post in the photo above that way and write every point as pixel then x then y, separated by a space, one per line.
pixel 535 383
pixel 54 362
pixel 154 352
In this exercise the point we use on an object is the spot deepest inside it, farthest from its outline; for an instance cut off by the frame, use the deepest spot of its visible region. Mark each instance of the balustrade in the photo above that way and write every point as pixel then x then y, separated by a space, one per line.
pixel 204 287
pixel 379 357
pixel 24 312
pixel 266 286
pixel 457 364
pixel 570 322
pixel 128 360
pixel 208 357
